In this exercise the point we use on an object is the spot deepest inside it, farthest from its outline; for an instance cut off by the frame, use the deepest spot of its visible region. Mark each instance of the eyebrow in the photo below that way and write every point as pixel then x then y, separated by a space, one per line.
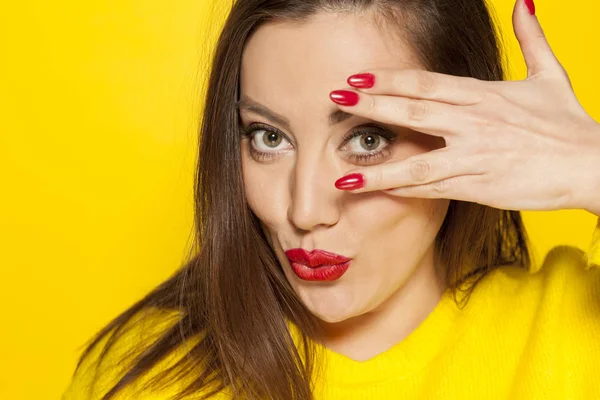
pixel 249 104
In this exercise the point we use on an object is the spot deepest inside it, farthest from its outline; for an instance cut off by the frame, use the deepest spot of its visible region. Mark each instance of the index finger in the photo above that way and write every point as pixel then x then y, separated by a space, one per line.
pixel 420 84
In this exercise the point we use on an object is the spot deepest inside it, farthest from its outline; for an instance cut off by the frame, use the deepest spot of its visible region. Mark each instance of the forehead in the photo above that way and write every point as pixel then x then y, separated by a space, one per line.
pixel 290 66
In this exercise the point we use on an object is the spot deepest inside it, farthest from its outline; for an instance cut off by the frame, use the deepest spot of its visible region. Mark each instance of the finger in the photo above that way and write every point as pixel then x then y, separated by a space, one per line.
pixel 532 40
pixel 420 169
pixel 452 188
pixel 431 117
pixel 419 84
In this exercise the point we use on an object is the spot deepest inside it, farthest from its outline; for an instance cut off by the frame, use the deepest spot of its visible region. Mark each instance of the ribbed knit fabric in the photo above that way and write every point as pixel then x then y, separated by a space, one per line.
pixel 521 335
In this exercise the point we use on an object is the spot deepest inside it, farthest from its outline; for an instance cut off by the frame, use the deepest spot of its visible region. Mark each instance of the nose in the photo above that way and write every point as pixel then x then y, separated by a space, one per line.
pixel 314 198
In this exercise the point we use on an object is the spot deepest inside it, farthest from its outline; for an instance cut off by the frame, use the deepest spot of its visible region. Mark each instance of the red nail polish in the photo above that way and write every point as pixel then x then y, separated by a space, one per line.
pixel 344 97
pixel 350 182
pixel 363 81
pixel 530 6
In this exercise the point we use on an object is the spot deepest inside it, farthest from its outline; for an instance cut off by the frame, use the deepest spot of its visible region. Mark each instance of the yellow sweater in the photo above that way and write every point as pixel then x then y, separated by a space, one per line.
pixel 521 336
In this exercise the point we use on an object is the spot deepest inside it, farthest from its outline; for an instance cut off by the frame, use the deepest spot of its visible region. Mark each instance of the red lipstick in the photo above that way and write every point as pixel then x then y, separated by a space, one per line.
pixel 317 265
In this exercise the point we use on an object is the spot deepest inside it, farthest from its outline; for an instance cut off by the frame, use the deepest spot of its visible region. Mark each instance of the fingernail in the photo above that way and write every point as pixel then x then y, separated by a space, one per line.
pixel 344 97
pixel 530 6
pixel 363 81
pixel 350 182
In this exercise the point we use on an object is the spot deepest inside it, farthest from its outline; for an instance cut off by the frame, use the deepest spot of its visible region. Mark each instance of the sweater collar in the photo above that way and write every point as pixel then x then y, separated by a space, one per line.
pixel 433 335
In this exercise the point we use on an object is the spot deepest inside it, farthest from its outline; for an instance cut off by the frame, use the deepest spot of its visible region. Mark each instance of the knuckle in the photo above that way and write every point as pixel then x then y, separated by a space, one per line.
pixel 425 82
pixel 496 97
pixel 483 126
pixel 482 123
pixel 419 170
pixel 377 177
pixel 373 104
pixel 398 80
pixel 440 186
pixel 416 110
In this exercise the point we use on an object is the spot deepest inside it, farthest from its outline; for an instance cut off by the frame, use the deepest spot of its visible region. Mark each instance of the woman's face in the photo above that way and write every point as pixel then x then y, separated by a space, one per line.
pixel 291 161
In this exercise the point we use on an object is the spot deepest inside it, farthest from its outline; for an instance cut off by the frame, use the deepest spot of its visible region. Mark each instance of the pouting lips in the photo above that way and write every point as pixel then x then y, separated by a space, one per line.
pixel 325 272
pixel 315 258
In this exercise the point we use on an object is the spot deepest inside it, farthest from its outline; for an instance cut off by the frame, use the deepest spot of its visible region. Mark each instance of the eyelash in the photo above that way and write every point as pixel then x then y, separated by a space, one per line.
pixel 362 158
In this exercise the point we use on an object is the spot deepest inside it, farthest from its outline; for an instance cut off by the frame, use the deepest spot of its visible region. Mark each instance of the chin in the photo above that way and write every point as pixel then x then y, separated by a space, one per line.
pixel 331 302
pixel 330 309
pixel 332 319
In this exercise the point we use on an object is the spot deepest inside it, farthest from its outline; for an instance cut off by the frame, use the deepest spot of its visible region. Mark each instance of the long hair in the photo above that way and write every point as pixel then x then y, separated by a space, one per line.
pixel 232 298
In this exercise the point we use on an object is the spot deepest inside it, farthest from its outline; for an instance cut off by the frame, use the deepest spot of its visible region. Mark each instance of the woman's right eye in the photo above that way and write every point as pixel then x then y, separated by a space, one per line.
pixel 265 140
pixel 265 144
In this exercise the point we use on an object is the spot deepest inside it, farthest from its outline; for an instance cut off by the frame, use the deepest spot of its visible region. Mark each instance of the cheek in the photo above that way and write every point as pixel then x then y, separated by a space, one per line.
pixel 393 233
pixel 406 224
pixel 378 211
pixel 266 191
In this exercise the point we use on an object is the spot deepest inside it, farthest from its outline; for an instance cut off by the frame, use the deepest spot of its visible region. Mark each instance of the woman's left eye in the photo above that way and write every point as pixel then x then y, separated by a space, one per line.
pixel 368 147
pixel 365 142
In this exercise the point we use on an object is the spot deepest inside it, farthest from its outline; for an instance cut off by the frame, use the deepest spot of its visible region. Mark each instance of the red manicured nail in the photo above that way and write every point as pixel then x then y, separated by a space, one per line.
pixel 364 80
pixel 344 97
pixel 530 6
pixel 350 182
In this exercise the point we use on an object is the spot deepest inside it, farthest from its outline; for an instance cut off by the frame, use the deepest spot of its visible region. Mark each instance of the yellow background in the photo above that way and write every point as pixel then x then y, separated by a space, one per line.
pixel 99 103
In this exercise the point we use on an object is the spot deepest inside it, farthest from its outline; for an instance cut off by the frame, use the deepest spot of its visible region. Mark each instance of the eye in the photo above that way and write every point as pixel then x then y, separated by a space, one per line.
pixel 264 138
pixel 364 145
pixel 368 146
pixel 265 142
pixel 367 141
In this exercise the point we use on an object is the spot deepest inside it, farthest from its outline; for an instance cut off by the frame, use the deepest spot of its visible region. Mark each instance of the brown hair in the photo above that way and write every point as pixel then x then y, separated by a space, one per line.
pixel 232 294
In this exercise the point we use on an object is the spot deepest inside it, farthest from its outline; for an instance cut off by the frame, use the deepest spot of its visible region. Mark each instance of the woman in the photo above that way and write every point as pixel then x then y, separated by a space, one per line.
pixel 361 168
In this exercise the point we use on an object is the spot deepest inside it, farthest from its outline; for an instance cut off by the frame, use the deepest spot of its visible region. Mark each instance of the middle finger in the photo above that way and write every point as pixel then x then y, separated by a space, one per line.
pixel 430 117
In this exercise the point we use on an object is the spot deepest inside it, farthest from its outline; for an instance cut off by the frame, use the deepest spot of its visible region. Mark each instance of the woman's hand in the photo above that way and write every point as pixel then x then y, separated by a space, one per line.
pixel 518 145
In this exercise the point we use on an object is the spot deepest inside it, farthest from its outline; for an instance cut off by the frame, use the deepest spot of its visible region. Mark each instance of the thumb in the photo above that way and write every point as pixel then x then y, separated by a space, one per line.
pixel 534 46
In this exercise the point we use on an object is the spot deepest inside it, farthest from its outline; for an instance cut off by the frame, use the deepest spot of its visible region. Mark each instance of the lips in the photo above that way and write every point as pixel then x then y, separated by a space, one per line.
pixel 315 258
pixel 317 265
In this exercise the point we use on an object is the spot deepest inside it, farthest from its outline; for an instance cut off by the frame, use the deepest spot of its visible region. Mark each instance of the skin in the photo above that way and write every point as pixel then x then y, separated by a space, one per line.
pixel 392 283
pixel 486 126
